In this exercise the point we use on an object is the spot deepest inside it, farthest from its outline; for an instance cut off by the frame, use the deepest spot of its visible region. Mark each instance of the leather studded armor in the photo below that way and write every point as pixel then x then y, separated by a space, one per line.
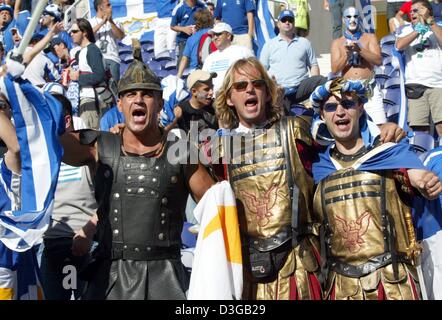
pixel 143 204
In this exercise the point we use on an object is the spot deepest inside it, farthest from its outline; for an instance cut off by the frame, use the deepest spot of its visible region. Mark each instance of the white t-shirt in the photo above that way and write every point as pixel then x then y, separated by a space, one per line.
pixel 105 34
pixel 40 69
pixel 423 67
pixel 220 61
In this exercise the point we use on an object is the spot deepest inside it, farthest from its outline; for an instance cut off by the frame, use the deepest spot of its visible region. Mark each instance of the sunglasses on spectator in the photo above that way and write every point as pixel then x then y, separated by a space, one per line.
pixel 415 10
pixel 217 34
pixel 74 31
pixel 346 104
pixel 290 20
pixel 242 85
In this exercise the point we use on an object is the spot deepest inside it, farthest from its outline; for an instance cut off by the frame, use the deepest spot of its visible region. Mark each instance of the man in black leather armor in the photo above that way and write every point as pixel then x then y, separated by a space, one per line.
pixel 141 195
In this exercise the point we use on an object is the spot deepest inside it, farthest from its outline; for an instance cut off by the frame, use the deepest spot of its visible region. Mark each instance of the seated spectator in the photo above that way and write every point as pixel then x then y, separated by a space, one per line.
pixel 289 59
pixel 219 61
pixel 239 14
pixel 422 44
pixel 191 56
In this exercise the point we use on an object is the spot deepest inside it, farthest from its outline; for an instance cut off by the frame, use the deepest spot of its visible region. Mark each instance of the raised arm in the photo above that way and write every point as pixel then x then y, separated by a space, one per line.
pixel 199 181
pixel 77 154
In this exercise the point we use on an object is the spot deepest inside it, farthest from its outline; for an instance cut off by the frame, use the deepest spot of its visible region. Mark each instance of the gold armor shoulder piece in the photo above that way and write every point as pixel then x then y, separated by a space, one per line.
pixel 300 128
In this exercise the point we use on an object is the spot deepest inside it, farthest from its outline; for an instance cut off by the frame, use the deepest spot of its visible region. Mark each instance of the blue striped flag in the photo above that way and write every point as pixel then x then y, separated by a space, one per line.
pixel 368 14
pixel 264 25
pixel 38 121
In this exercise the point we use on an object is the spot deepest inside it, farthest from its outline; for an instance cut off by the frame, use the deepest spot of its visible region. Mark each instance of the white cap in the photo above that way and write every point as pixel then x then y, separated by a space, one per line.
pixel 221 27
pixel 199 75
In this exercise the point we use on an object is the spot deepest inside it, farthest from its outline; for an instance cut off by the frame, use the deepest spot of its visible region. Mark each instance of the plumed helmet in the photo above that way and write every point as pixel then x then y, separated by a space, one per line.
pixel 138 76
pixel 54 11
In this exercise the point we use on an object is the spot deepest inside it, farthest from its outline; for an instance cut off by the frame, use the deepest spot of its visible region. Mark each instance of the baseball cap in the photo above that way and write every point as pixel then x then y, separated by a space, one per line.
pixel 221 27
pixel 6 7
pixel 54 11
pixel 199 75
pixel 286 14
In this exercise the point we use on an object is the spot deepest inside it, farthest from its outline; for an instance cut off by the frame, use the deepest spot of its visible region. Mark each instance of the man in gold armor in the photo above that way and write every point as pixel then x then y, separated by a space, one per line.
pixel 362 202
pixel 267 161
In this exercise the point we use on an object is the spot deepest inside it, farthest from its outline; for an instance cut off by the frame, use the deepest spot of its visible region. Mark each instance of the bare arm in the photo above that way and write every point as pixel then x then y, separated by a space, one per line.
pixel 339 56
pixel 183 65
pixel 314 70
pixel 404 42
pixel 118 33
pixel 177 111
pixel 39 46
pixel 199 181
pixel 186 29
pixel 17 7
pixel 372 53
pixel 9 137
pixel 76 154
pixel 99 25
pixel 426 182
pixel 399 16
pixel 251 23
pixel 82 241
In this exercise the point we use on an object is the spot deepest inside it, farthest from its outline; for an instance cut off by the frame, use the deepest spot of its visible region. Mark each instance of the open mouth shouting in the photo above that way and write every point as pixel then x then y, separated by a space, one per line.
pixel 343 124
pixel 139 115
pixel 251 104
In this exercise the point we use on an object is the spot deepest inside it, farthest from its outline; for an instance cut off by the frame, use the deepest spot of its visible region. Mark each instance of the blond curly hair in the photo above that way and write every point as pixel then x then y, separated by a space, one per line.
pixel 226 114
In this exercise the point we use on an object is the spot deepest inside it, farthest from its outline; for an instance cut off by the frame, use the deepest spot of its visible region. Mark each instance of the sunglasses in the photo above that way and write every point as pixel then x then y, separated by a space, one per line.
pixel 346 104
pixel 415 10
pixel 242 85
pixel 74 31
pixel 217 34
pixel 290 20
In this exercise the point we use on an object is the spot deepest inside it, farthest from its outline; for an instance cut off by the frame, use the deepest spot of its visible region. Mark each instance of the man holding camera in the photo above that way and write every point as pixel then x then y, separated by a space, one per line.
pixel 354 56
pixel 107 33
pixel 421 41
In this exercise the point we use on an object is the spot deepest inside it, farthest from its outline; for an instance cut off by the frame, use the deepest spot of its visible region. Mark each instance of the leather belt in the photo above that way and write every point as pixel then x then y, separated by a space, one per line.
pixel 370 266
pixel 273 242
pixel 143 253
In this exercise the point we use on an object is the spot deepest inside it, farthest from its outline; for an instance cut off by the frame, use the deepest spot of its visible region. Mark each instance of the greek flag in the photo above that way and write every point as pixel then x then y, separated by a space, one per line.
pixel 368 13
pixel 264 25
pixel 38 123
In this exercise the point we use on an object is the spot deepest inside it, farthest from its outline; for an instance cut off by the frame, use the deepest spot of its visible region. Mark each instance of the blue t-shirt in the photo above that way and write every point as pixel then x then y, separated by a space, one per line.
pixel 191 48
pixel 165 7
pixel 182 16
pixel 112 117
pixel 437 11
pixel 234 12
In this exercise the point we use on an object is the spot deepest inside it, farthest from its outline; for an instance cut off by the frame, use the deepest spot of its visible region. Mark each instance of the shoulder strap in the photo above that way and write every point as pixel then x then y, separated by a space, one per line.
pixel 294 191
pixel 109 148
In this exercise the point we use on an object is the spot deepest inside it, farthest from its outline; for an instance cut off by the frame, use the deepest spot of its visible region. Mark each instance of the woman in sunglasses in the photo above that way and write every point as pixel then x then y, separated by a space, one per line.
pixel 362 202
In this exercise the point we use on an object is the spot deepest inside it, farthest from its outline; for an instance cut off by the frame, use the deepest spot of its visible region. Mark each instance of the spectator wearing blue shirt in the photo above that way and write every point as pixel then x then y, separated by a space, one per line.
pixel 6 24
pixel 289 59
pixel 437 10
pixel 112 117
pixel 183 21
pixel 336 8
pixel 239 14
pixel 190 58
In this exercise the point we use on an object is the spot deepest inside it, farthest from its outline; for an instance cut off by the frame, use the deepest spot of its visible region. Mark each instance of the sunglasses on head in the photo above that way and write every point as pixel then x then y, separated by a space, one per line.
pixel 346 104
pixel 242 85
pixel 284 20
